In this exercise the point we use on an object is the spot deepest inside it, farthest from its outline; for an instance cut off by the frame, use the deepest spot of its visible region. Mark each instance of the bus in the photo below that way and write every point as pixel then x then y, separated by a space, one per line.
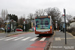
pixel 43 25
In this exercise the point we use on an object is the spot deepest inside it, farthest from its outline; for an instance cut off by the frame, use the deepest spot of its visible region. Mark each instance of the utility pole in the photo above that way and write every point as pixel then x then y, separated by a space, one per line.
pixel 65 25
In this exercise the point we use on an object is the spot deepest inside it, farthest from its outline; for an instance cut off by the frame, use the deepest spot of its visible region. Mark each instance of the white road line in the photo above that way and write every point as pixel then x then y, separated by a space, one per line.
pixel 26 38
pixel 10 38
pixel 43 39
pixel 18 38
pixel 4 38
pixel 67 38
pixel 34 39
pixel 1 38
pixel 57 39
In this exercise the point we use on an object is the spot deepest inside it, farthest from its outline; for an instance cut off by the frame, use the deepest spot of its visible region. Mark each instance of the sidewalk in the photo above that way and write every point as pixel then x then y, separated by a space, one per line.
pixel 59 42
pixel 6 34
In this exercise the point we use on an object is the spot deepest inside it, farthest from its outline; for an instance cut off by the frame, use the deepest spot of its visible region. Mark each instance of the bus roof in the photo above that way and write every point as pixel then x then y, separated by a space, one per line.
pixel 42 17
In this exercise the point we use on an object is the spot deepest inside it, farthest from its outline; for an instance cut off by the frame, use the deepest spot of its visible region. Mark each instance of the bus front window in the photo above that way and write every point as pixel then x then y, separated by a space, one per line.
pixel 42 23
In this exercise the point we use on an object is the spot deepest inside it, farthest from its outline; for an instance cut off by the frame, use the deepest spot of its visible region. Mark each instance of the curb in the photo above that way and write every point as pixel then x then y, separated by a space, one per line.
pixel 71 34
pixel 13 34
pixel 49 42
pixel 47 46
pixel 17 34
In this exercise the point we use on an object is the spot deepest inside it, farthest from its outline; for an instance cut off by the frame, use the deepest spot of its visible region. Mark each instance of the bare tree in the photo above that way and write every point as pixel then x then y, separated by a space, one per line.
pixel 1 22
pixel 53 12
pixel 30 16
pixel 69 17
pixel 74 18
pixel 21 20
pixel 39 12
pixel 4 14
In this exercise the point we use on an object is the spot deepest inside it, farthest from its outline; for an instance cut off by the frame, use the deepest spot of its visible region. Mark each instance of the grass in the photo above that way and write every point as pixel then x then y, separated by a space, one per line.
pixel 13 34
pixel 31 31
pixel 72 31
pixel 2 31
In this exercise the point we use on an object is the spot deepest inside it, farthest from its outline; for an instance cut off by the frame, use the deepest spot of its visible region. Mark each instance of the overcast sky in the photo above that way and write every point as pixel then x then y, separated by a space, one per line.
pixel 20 7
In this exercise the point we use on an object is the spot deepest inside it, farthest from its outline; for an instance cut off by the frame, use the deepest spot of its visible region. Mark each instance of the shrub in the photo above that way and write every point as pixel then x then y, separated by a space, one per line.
pixel 73 33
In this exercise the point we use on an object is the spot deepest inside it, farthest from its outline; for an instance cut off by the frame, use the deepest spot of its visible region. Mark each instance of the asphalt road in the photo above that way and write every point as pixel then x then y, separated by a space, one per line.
pixel 28 41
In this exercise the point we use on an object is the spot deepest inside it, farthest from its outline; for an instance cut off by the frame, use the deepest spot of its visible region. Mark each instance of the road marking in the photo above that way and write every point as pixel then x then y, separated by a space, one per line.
pixel 4 38
pixel 57 39
pixel 18 38
pixel 67 38
pixel 10 38
pixel 1 38
pixel 26 38
pixel 43 39
pixel 62 47
pixel 51 43
pixel 34 39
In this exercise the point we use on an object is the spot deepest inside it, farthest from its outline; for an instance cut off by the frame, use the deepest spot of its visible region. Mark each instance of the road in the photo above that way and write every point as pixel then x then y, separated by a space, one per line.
pixel 26 41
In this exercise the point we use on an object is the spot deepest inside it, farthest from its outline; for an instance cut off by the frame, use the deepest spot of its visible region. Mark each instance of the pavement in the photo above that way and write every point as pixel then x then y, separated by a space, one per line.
pixel 59 42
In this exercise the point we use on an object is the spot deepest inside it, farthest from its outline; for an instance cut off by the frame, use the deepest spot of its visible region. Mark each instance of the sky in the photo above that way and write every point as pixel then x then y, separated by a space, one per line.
pixel 24 7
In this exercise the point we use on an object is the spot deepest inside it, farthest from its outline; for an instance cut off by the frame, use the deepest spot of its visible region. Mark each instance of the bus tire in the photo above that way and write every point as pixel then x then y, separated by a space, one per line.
pixel 40 34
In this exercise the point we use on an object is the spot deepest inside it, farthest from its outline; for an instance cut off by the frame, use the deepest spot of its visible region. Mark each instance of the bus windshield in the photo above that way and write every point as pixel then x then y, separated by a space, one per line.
pixel 42 23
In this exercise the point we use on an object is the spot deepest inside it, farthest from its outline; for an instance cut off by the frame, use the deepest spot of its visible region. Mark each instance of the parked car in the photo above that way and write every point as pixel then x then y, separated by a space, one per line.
pixel 19 29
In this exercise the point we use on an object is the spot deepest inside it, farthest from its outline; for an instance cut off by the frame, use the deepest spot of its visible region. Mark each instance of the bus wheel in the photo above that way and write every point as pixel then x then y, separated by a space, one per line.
pixel 52 33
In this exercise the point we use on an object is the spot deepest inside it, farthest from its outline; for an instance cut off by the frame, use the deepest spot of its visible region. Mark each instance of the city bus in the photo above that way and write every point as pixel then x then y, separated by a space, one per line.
pixel 43 25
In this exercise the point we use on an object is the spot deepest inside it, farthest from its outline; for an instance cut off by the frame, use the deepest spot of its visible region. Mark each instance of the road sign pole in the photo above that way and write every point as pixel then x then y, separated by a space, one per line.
pixel 65 25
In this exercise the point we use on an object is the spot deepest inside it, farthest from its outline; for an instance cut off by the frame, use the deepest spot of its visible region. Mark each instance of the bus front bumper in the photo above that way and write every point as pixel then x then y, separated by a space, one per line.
pixel 47 32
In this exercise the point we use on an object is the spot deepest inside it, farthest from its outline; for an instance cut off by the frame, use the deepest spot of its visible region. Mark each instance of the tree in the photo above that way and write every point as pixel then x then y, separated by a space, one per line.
pixel 8 15
pixel 74 18
pixel 69 17
pixel 4 14
pixel 30 16
pixel 53 12
pixel 21 20
pixel 14 17
pixel 1 22
pixel 39 13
